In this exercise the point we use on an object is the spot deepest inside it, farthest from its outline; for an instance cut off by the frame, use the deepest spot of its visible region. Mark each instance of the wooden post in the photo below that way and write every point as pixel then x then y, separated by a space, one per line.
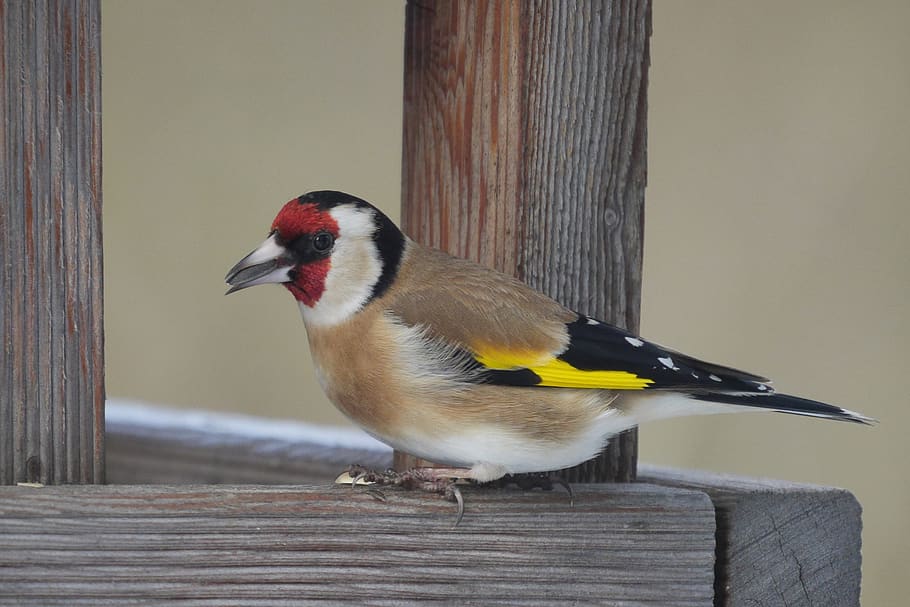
pixel 52 367
pixel 524 149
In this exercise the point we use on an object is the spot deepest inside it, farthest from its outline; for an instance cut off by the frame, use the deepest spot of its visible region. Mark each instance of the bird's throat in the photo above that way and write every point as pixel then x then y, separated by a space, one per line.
pixel 308 282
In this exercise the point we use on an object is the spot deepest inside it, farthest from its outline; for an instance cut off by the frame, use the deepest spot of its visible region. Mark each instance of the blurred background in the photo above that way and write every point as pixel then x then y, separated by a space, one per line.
pixel 776 238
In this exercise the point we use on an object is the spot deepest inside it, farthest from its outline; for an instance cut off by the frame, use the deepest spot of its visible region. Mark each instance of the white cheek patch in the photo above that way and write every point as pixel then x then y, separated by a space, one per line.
pixel 355 268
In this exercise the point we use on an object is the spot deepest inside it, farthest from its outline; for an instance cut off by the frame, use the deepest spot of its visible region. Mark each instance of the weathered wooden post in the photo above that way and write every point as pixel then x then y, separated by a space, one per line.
pixel 524 149
pixel 52 366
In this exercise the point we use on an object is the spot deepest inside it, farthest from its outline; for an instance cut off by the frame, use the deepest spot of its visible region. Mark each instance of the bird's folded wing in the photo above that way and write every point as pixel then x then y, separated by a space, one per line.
pixel 601 356
pixel 513 335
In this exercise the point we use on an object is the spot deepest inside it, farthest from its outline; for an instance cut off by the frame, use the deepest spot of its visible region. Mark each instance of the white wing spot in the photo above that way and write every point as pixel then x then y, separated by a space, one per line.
pixel 714 377
pixel 762 387
pixel 695 375
pixel 591 321
pixel 635 341
pixel 667 362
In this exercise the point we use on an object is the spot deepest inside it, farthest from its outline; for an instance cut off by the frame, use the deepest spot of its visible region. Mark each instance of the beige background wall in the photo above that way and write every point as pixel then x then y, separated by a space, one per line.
pixel 776 235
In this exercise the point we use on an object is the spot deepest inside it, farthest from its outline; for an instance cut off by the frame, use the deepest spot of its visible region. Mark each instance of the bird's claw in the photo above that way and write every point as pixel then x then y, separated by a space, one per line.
pixel 534 480
pixel 377 495
pixel 415 478
pixel 453 493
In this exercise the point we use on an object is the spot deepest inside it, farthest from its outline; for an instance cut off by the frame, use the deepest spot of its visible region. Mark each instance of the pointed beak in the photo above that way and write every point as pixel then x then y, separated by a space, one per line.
pixel 270 263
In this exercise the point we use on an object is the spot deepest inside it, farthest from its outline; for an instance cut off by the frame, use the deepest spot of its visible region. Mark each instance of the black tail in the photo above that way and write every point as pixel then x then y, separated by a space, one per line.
pixel 786 404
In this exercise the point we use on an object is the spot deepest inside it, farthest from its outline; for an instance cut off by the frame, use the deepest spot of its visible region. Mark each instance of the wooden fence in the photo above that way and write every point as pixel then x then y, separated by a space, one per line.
pixel 525 122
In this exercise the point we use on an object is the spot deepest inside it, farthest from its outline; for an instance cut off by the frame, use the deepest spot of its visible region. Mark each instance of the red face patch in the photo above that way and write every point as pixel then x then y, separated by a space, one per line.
pixel 295 220
pixel 309 285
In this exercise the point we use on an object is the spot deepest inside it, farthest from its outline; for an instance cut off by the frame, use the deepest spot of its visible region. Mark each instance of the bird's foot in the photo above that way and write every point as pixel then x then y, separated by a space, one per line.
pixel 534 480
pixel 441 481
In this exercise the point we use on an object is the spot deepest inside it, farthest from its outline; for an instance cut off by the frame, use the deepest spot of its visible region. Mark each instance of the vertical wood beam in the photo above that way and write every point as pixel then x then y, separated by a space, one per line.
pixel 525 149
pixel 52 367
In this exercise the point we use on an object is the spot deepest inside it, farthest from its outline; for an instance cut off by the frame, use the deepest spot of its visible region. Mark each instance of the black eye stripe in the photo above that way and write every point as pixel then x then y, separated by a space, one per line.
pixel 311 247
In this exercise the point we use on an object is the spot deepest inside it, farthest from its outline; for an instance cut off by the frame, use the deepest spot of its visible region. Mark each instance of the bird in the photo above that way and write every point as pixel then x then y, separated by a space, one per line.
pixel 467 367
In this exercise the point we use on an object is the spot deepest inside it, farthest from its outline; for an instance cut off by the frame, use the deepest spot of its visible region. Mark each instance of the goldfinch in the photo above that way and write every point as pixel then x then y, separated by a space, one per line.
pixel 461 365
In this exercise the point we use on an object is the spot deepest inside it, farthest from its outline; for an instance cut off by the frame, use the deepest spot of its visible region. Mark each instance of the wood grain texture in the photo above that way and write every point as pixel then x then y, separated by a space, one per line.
pixel 525 149
pixel 52 370
pixel 779 543
pixel 244 545
pixel 167 449
pixel 463 128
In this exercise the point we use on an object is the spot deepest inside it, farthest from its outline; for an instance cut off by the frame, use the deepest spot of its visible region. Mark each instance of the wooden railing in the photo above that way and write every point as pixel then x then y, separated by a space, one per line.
pixel 515 133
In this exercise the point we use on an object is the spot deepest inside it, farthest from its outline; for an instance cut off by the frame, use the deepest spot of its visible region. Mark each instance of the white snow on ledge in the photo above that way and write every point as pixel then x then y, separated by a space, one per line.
pixel 156 417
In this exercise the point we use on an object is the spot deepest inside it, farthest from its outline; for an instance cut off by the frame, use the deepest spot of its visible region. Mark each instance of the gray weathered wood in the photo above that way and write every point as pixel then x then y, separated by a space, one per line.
pixel 779 543
pixel 159 445
pixel 52 366
pixel 525 149
pixel 244 545
pixel 134 458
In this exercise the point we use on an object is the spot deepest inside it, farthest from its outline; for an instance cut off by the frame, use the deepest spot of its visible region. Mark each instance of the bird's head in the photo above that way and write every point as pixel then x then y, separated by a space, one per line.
pixel 334 252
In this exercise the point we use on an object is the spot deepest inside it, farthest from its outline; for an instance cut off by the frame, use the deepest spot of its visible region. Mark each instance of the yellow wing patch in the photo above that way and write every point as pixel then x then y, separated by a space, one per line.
pixel 558 373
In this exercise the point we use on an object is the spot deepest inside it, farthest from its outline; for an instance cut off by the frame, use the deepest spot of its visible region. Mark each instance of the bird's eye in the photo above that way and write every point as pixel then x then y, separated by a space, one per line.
pixel 323 241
